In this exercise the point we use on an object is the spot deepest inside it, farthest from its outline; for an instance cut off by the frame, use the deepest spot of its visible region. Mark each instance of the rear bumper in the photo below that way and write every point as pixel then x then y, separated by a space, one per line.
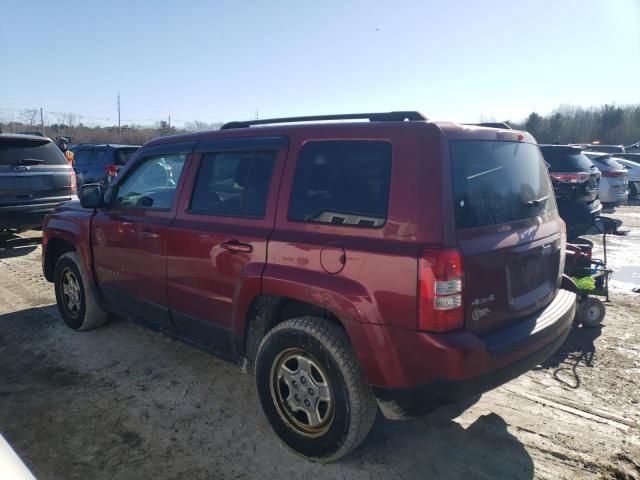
pixel 422 371
pixel 26 216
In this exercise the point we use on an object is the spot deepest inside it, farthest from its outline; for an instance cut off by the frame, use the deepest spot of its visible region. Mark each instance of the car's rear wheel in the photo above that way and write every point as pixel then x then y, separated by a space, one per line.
pixel 633 190
pixel 76 303
pixel 312 389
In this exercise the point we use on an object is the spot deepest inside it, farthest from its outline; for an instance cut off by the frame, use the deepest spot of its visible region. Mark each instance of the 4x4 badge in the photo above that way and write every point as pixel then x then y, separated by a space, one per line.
pixel 480 301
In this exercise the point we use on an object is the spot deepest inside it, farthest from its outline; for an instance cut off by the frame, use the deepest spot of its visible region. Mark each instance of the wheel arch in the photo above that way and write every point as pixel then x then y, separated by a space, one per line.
pixel 266 311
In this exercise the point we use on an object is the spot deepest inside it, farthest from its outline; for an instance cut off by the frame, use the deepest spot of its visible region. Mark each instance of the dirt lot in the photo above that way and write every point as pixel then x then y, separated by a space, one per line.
pixel 124 402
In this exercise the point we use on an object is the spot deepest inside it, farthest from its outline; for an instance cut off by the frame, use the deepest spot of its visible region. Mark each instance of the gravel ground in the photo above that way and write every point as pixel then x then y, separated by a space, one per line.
pixel 125 402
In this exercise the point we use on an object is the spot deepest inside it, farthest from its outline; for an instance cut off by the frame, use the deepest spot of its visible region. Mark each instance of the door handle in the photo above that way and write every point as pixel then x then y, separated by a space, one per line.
pixel 235 246
pixel 149 235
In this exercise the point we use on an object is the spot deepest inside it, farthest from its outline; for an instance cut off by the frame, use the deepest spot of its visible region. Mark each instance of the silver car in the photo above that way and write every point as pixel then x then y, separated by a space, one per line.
pixel 614 182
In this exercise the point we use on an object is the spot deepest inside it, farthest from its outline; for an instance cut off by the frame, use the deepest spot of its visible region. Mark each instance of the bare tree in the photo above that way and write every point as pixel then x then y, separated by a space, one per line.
pixel 30 116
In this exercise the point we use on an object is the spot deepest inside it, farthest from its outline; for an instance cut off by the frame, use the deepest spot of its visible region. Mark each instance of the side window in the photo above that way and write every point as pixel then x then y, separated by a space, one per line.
pixel 152 184
pixel 343 183
pixel 82 157
pixel 233 184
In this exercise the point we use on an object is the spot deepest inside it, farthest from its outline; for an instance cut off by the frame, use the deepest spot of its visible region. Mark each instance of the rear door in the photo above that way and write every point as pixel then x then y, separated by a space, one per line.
pixel 217 246
pixel 33 171
pixel 508 230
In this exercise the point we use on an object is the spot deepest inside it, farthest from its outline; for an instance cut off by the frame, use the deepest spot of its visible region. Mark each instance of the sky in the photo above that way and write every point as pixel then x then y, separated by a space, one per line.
pixel 458 60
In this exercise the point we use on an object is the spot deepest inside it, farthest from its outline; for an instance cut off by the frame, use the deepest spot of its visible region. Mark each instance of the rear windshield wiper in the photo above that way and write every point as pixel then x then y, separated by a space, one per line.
pixel 30 161
pixel 537 202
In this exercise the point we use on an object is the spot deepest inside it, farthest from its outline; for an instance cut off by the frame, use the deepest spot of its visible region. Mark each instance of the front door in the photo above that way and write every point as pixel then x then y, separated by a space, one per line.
pixel 217 246
pixel 130 236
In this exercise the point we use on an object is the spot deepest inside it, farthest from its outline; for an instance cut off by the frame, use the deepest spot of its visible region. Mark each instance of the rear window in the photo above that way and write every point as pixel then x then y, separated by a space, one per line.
pixel 82 157
pixel 606 148
pixel 124 154
pixel 609 162
pixel 560 160
pixel 498 182
pixel 342 183
pixel 16 151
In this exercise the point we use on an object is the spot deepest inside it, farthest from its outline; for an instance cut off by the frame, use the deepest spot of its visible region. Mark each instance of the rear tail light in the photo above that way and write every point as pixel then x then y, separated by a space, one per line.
pixel 73 183
pixel 440 286
pixel 111 170
pixel 610 174
pixel 570 177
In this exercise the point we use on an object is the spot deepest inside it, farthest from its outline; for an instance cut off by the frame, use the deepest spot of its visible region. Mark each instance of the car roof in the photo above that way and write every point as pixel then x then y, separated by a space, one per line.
pixel 21 136
pixel 453 131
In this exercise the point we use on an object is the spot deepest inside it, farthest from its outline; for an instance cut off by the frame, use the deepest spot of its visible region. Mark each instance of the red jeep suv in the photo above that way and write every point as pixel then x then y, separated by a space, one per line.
pixel 394 264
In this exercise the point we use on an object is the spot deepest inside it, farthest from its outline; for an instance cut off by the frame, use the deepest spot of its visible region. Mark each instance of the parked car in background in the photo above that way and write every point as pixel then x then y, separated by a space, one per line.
pixel 314 255
pixel 633 171
pixel 35 177
pixel 575 182
pixel 614 182
pixel 631 157
pixel 100 163
pixel 634 148
pixel 602 148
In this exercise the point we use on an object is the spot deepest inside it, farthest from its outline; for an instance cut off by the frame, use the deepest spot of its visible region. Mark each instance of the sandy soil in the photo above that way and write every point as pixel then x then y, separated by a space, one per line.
pixel 125 402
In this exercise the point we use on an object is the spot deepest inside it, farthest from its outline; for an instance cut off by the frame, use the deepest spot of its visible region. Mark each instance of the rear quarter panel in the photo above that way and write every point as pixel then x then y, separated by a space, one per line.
pixel 378 282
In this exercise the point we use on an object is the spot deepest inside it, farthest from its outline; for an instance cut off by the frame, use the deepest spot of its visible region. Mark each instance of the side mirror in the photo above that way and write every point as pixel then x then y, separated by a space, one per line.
pixel 91 195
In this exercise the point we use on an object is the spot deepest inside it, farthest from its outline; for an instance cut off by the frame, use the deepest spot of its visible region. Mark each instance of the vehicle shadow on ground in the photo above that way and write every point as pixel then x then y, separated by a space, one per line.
pixel 435 446
pixel 577 351
pixel 17 246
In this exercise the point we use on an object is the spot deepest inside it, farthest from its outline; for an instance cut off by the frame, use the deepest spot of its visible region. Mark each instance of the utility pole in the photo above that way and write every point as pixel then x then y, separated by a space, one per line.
pixel 119 128
pixel 169 123
pixel 257 116
pixel 41 122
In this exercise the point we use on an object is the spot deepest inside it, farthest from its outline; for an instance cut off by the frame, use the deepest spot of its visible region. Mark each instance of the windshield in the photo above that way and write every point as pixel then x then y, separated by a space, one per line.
pixel 498 182
pixel 16 151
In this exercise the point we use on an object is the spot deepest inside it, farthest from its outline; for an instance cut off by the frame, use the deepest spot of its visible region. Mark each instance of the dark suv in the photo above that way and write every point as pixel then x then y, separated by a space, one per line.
pixel 35 177
pixel 397 264
pixel 100 163
pixel 575 181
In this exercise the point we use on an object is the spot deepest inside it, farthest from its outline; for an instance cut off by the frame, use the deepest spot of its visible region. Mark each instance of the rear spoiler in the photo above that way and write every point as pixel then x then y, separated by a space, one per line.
pixel 491 125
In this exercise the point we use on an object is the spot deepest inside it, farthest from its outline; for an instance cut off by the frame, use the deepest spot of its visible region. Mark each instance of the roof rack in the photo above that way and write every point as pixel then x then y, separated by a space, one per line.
pixel 372 117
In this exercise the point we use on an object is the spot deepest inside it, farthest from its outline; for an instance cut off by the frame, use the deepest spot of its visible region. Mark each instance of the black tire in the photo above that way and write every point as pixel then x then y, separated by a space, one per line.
pixel 633 191
pixel 346 418
pixel 76 302
pixel 591 312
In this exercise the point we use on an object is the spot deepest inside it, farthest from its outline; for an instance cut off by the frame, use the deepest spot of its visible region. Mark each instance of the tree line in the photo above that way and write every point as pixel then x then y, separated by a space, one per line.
pixel 69 126
pixel 608 124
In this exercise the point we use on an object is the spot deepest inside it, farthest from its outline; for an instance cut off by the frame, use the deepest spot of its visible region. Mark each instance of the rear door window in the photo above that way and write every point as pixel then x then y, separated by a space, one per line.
pixel 342 183
pixel 233 184
pixel 561 160
pixel 498 182
pixel 30 152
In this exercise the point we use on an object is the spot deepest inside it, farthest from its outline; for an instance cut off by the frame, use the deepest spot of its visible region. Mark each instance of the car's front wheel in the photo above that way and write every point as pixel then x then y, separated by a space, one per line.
pixel 312 389
pixel 76 303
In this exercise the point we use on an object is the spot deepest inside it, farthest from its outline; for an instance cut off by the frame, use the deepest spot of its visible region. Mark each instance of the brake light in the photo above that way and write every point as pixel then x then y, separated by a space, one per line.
pixel 610 174
pixel 72 182
pixel 440 285
pixel 570 177
pixel 111 170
